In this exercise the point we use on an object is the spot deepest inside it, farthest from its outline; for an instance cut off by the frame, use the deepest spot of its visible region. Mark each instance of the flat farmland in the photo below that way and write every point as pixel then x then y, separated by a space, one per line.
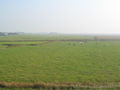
pixel 33 37
pixel 91 64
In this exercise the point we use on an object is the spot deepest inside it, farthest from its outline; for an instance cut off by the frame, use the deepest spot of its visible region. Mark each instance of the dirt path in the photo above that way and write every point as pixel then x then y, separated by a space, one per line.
pixel 66 85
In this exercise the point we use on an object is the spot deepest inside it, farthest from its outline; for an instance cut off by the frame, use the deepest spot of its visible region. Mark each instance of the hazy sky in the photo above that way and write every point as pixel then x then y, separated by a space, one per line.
pixel 66 16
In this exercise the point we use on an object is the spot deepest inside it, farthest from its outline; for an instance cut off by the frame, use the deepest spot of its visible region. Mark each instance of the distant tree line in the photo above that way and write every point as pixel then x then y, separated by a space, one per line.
pixel 10 33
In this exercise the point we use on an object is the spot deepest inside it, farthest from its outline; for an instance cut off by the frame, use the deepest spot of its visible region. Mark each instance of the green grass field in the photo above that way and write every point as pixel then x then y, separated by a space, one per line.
pixel 85 62
pixel 23 42
pixel 45 37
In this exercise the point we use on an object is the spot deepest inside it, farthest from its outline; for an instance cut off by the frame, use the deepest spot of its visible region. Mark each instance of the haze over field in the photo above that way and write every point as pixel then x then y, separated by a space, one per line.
pixel 59 44
pixel 64 16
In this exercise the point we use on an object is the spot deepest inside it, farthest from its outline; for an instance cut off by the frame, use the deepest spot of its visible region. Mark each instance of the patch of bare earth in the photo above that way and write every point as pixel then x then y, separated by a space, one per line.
pixel 67 85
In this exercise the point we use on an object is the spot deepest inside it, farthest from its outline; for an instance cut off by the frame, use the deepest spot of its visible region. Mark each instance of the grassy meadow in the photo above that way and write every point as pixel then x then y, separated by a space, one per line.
pixel 90 62
pixel 45 37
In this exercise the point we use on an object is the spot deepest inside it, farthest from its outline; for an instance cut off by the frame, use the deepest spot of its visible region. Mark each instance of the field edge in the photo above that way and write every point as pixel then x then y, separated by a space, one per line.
pixel 65 85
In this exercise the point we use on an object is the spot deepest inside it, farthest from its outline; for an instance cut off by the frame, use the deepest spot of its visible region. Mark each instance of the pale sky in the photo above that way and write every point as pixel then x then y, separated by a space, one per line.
pixel 64 16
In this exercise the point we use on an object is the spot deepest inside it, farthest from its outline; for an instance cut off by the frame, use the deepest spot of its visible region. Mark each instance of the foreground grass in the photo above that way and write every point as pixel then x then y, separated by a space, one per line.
pixel 89 62
pixel 62 62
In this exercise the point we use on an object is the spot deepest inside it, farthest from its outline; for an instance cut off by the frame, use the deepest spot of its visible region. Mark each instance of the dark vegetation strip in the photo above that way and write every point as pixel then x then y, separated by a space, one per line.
pixel 60 85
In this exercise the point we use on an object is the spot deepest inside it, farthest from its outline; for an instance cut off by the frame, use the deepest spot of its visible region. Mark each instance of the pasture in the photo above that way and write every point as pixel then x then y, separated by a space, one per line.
pixel 33 37
pixel 79 63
